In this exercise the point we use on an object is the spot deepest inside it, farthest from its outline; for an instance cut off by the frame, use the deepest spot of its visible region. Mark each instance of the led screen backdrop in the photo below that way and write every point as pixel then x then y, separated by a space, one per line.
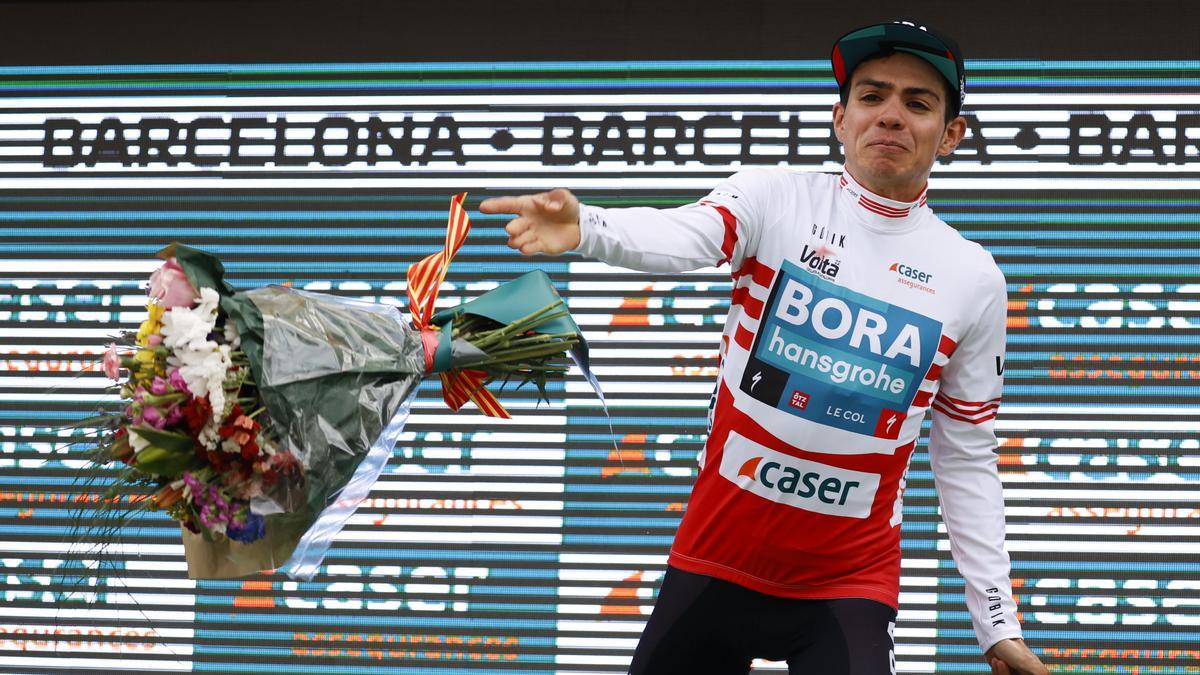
pixel 535 546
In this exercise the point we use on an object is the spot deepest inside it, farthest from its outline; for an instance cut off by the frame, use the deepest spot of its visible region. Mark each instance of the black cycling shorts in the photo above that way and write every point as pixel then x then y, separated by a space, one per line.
pixel 706 626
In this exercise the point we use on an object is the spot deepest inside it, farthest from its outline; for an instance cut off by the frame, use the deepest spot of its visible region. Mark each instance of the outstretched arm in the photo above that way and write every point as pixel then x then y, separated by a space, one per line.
pixel 718 229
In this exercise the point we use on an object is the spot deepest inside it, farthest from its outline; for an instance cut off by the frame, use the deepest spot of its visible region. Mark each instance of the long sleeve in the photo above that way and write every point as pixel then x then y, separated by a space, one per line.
pixel 722 228
pixel 962 452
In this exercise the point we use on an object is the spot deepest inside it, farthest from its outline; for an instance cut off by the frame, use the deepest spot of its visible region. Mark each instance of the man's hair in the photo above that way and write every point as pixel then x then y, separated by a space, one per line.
pixel 948 92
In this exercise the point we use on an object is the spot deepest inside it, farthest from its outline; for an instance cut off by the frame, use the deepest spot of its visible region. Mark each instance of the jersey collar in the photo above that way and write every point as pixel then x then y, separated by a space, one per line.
pixel 881 213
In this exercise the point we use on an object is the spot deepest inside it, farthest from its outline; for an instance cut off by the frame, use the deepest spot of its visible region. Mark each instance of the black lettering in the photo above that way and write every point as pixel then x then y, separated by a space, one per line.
pixel 351 143
pixel 72 140
pixel 809 486
pixel 762 476
pixel 193 142
pixel 1077 139
pixel 158 149
pixel 1152 142
pixel 752 122
pixel 668 144
pixel 235 139
pixel 706 124
pixel 379 135
pixel 828 486
pixel 574 140
pixel 846 492
pixel 444 138
pixel 789 480
pixel 613 141
pixel 110 144
pixel 1184 123
pixel 281 145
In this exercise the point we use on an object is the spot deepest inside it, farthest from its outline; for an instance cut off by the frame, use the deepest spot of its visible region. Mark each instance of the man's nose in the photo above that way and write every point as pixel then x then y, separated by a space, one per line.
pixel 889 113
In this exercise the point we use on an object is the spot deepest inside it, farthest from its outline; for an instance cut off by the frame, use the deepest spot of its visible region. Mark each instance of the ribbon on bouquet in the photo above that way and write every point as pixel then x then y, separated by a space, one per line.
pixel 424 280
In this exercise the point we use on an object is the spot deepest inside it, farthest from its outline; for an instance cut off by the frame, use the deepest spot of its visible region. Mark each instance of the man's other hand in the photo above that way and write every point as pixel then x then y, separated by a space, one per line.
pixel 1012 657
pixel 546 222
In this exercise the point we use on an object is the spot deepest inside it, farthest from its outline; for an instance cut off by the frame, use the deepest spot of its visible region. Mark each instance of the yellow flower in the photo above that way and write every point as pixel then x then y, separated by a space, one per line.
pixel 151 325
pixel 148 365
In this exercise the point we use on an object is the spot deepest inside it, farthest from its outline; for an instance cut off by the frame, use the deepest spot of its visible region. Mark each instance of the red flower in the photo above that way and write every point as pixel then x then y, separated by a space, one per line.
pixel 197 412
pixel 250 450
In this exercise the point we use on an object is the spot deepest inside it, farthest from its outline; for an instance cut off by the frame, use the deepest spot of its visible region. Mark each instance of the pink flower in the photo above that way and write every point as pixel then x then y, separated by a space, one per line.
pixel 170 287
pixel 153 340
pixel 152 416
pixel 176 380
pixel 159 386
pixel 112 363
pixel 174 416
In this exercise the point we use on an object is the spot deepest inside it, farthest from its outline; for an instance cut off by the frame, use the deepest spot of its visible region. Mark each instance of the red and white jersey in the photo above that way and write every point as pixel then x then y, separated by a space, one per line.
pixel 852 315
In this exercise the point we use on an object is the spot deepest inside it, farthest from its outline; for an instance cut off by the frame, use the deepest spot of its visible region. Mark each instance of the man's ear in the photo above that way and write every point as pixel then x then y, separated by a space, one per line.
pixel 839 116
pixel 956 130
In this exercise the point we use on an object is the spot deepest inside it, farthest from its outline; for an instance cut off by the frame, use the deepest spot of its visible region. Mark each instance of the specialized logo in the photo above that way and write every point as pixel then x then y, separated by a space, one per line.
pixel 837 357
pixel 820 261
pixel 797 482
pixel 913 277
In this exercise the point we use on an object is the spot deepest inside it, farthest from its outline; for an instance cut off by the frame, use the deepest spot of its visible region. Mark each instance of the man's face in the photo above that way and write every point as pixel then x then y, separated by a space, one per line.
pixel 893 124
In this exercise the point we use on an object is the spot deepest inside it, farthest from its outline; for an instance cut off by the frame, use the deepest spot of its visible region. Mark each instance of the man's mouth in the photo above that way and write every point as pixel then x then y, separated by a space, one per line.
pixel 886 144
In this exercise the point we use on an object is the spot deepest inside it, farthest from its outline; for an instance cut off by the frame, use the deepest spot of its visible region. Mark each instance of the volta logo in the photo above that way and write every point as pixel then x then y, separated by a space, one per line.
pixel 797 482
pixel 820 261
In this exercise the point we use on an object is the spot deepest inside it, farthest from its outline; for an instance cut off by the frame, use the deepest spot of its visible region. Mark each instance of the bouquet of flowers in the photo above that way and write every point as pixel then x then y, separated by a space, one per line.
pixel 260 419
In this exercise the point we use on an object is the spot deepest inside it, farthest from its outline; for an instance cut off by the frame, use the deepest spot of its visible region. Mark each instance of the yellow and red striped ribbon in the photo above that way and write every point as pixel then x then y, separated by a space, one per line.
pixel 424 280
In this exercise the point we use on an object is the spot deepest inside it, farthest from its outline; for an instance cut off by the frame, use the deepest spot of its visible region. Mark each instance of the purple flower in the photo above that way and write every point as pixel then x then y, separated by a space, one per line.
pixel 159 386
pixel 177 382
pixel 153 417
pixel 253 529
pixel 211 507
pixel 174 416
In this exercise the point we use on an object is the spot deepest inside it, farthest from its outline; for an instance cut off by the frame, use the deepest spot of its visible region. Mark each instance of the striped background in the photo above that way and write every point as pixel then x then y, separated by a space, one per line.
pixel 533 546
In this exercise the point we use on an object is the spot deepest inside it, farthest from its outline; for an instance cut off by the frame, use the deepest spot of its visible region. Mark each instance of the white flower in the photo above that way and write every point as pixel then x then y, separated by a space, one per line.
pixel 231 334
pixel 203 364
pixel 208 436
pixel 188 328
pixel 137 442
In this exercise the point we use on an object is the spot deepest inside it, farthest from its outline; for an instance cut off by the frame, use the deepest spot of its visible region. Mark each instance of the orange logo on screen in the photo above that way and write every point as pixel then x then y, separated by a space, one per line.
pixel 623 599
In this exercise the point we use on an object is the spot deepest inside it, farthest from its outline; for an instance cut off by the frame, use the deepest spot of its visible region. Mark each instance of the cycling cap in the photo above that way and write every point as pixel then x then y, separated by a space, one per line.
pixel 901 35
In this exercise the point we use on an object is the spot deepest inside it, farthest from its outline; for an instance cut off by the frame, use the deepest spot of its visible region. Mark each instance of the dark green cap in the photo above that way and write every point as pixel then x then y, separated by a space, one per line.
pixel 902 35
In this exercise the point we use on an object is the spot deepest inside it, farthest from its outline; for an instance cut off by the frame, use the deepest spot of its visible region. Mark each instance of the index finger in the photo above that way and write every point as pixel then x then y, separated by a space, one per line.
pixel 501 205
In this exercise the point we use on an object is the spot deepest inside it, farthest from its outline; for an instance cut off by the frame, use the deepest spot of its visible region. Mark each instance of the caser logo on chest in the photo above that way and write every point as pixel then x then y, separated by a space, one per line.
pixel 797 482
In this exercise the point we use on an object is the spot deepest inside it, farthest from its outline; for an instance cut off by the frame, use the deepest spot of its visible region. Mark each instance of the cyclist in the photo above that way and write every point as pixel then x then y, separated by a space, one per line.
pixel 855 310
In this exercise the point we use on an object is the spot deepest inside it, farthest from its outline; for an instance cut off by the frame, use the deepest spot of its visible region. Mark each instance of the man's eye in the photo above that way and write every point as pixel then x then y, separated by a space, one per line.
pixel 919 105
pixel 870 97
